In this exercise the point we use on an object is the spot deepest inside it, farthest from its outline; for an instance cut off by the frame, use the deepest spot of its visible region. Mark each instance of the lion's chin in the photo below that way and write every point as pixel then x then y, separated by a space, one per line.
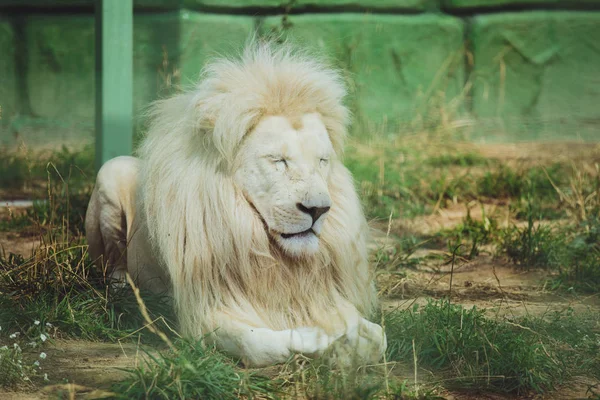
pixel 303 245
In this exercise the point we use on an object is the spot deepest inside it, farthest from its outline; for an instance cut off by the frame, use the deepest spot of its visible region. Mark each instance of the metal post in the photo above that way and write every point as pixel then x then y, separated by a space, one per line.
pixel 114 79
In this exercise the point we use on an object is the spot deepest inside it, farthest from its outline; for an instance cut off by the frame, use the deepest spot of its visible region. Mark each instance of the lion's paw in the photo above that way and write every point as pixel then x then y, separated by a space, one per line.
pixel 310 341
pixel 363 343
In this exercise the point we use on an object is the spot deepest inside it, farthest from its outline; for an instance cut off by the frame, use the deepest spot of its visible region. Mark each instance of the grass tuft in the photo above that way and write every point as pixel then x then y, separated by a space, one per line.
pixel 192 370
pixel 477 352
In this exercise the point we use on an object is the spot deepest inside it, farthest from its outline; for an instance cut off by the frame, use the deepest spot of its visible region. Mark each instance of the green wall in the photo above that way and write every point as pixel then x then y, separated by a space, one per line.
pixel 504 69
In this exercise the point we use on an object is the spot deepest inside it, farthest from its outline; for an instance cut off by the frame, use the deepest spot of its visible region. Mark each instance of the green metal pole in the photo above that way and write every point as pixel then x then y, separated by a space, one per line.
pixel 114 79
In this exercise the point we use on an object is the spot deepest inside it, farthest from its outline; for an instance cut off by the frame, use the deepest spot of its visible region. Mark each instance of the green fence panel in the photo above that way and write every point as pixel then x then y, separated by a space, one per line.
pixel 9 89
pixel 60 66
pixel 65 4
pixel 450 4
pixel 401 69
pixel 204 36
pixel 156 53
pixel 537 74
pixel 368 4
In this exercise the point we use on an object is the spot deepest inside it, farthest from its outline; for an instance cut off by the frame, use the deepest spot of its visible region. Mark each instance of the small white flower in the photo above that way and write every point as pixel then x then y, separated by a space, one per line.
pixel 16 346
pixel 46 377
pixel 32 344
pixel 43 355
pixel 43 337
pixel 36 363
pixel 14 335
pixel 48 324
pixel 36 322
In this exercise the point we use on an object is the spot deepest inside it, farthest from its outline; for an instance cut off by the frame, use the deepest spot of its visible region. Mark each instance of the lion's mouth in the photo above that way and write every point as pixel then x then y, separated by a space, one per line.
pixel 302 234
pixel 305 233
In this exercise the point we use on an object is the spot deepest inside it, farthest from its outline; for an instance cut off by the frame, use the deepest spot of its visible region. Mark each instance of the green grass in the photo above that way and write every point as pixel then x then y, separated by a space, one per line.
pixel 192 370
pixel 472 234
pixel 573 250
pixel 534 245
pixel 58 283
pixel 396 178
pixel 463 348
pixel 60 184
pixel 26 170
pixel 14 171
pixel 506 182
pixel 478 352
pixel 60 286
pixel 460 160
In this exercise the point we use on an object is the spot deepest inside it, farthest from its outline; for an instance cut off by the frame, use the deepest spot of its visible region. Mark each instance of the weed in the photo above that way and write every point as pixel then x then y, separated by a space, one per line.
pixel 572 250
pixel 536 245
pixel 27 170
pixel 580 267
pixel 15 369
pixel 472 233
pixel 506 182
pixel 63 187
pixel 581 196
pixel 533 246
pixel 461 160
pixel 399 256
pixel 14 171
pixel 503 183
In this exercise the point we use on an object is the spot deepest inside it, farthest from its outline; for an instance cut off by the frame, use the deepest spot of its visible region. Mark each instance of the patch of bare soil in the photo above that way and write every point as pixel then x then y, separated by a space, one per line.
pixel 22 242
pixel 81 368
pixel 485 281
pixel 451 217
pixel 18 243
pixel 539 152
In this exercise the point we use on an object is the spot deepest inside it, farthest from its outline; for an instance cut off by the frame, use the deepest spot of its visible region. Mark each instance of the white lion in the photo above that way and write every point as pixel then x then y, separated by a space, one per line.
pixel 240 206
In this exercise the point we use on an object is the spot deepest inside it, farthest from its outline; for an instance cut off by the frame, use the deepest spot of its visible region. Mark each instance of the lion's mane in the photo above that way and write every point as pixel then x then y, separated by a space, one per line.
pixel 210 239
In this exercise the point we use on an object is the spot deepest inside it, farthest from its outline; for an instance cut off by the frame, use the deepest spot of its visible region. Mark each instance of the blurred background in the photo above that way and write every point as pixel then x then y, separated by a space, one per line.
pixel 497 70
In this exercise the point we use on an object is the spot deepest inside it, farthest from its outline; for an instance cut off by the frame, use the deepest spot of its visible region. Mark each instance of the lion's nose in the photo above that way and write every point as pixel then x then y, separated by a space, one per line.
pixel 314 212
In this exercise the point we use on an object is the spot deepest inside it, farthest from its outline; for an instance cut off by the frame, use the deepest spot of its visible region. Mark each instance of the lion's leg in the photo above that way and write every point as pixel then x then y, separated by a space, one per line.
pixel 109 215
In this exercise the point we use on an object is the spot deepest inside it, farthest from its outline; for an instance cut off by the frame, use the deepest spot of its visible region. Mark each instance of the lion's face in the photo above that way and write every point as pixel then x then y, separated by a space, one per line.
pixel 283 171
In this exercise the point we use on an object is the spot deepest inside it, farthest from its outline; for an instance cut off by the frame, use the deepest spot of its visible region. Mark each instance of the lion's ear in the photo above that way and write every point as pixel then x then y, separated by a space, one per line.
pixel 226 118
pixel 205 121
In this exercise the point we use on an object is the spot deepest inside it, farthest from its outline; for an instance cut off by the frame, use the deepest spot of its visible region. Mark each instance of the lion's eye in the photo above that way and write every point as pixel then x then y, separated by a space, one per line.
pixel 281 161
pixel 324 161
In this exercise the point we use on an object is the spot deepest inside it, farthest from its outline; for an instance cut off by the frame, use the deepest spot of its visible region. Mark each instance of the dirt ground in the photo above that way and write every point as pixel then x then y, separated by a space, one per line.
pixel 82 368
pixel 86 369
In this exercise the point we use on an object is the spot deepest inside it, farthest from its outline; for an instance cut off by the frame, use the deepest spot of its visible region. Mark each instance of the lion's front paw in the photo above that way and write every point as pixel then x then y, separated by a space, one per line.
pixel 310 341
pixel 363 343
